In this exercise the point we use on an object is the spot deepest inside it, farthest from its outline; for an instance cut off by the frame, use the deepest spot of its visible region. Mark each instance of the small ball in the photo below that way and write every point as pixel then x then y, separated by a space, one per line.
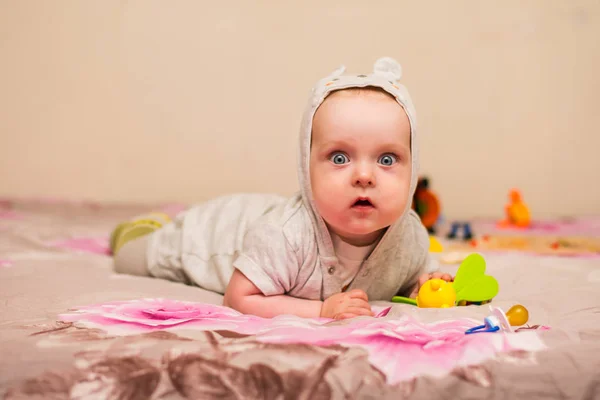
pixel 517 315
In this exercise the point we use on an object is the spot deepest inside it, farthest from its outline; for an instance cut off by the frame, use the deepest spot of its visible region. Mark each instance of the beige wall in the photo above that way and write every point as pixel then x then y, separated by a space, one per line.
pixel 184 100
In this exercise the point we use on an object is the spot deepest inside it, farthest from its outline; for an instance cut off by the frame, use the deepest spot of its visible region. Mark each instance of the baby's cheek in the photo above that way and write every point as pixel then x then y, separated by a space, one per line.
pixel 325 206
pixel 402 190
pixel 397 204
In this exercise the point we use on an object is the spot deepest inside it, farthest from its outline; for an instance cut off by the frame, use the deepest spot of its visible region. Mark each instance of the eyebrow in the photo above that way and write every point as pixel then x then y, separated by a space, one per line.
pixel 335 143
pixel 394 146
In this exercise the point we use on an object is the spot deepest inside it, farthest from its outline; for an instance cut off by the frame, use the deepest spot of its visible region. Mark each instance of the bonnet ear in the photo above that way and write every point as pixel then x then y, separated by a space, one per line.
pixel 338 72
pixel 335 74
pixel 388 68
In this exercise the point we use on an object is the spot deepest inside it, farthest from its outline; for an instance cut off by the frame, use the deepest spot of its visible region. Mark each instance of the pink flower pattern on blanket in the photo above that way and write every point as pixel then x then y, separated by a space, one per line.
pixel 10 215
pixel 95 245
pixel 401 347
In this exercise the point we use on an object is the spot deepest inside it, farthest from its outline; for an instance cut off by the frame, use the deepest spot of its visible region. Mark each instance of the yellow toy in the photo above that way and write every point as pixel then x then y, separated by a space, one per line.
pixel 517 212
pixel 434 245
pixel 436 293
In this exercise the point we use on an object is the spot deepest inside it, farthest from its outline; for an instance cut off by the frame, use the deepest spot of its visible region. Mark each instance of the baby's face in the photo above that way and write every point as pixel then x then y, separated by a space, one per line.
pixel 360 163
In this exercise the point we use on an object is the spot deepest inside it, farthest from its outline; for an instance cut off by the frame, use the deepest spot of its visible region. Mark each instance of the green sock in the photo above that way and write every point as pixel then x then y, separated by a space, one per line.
pixel 140 226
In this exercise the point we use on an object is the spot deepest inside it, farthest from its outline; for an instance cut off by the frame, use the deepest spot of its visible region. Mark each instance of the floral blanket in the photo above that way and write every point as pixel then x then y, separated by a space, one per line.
pixel 71 328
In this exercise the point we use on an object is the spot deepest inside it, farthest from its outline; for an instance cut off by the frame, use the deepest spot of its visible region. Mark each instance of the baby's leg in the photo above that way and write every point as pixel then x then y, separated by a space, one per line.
pixel 129 240
pixel 131 258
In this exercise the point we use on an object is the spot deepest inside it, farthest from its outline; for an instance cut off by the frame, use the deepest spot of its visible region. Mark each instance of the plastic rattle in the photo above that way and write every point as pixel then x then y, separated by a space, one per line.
pixel 471 286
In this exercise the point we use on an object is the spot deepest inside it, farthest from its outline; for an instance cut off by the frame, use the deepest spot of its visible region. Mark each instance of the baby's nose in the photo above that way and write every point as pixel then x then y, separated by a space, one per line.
pixel 364 177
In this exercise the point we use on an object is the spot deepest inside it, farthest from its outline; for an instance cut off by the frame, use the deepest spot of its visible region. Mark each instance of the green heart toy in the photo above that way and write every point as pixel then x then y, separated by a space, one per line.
pixel 471 283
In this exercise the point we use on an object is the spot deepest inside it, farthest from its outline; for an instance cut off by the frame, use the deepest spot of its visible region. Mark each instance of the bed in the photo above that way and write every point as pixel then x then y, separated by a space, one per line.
pixel 71 328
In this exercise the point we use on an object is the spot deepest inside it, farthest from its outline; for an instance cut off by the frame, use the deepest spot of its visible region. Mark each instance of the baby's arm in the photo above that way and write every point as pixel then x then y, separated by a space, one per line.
pixel 268 268
pixel 242 295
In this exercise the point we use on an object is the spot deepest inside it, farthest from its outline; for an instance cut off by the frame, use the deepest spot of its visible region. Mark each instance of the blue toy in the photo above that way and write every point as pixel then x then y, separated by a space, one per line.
pixel 467 232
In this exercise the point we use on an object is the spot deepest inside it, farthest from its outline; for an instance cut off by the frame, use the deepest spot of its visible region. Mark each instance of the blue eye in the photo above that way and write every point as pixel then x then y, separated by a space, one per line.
pixel 387 159
pixel 339 158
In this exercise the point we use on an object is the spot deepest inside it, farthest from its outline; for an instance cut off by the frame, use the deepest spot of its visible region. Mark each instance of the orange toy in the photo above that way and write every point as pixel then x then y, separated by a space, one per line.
pixel 517 212
pixel 426 205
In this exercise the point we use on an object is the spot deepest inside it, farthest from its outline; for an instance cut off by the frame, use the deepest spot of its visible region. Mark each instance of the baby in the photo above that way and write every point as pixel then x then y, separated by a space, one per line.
pixel 347 237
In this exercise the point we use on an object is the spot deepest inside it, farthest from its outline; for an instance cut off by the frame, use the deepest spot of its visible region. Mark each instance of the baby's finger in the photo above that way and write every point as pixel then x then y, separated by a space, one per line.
pixel 414 293
pixel 358 294
pixel 359 303
pixel 424 278
pixel 441 275
pixel 344 315
pixel 359 311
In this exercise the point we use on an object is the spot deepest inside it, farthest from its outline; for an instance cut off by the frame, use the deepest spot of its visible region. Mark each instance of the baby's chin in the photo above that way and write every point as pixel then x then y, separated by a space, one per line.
pixel 360 237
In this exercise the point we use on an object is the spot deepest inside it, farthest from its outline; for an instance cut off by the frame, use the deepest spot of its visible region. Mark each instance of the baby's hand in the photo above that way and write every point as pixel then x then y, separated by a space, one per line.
pixel 425 277
pixel 346 305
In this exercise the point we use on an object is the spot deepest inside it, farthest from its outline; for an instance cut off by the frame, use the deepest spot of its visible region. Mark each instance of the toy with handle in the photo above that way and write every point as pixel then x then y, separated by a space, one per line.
pixel 471 285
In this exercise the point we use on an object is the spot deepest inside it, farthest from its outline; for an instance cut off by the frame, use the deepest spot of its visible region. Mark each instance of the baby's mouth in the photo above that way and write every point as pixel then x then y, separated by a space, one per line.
pixel 362 202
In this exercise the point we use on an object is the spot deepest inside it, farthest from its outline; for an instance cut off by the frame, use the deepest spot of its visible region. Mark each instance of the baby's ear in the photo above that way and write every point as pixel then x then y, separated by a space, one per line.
pixel 388 68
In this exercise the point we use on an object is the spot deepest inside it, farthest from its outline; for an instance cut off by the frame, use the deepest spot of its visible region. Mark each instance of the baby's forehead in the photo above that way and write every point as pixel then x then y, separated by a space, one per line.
pixel 358 97
pixel 346 114
pixel 339 103
pixel 357 91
